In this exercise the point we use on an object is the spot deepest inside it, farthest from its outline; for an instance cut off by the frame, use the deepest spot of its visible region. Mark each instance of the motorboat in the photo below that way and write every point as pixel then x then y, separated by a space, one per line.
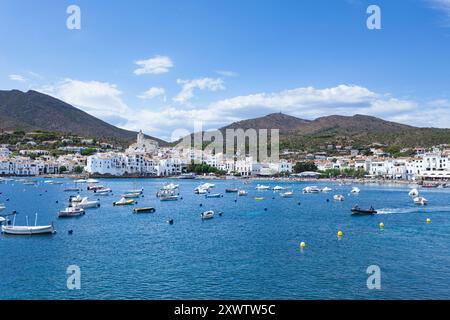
pixel 207 215
pixel 123 202
pixel 28 230
pixel 131 195
pixel 242 192
pixel 278 188
pixel 165 193
pixel 338 197
pixel 262 187
pixel 136 191
pixel 413 193
pixel 2 220
pixel 169 198
pixel 92 181
pixel 420 200
pixel 95 187
pixel 287 194
pixel 187 176
pixel 231 190
pixel 355 190
pixel 75 199
pixel 201 191
pixel 326 189
pixel 74 189
pixel 213 195
pixel 71 212
pixel 170 186
pixel 103 192
pixel 144 210
pixel 311 190
pixel 81 181
pixel 85 203
pixel 356 210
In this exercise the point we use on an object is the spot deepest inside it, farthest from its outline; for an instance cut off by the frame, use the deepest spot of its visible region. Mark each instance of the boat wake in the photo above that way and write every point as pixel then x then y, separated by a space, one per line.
pixel 412 210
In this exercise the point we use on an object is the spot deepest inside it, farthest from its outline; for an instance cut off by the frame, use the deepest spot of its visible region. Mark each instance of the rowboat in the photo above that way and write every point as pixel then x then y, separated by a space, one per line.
pixel 144 210
pixel 358 211
pixel 207 215
pixel 71 212
pixel 231 190
pixel 259 198
pixel 123 202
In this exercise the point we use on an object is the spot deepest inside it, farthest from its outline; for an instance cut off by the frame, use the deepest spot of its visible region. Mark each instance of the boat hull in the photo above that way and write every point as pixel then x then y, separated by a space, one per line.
pixel 28 230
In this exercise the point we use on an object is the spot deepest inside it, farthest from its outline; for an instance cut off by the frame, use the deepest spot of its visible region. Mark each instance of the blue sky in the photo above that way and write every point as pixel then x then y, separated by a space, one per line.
pixel 161 65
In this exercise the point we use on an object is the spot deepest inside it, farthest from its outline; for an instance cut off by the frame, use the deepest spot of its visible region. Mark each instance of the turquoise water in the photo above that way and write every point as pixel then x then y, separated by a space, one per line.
pixel 247 253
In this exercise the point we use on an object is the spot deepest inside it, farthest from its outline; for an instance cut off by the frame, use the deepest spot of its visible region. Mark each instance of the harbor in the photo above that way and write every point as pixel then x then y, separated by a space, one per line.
pixel 237 239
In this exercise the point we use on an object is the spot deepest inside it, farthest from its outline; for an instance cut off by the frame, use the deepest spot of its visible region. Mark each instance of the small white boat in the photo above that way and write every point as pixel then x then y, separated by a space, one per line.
pixel 312 189
pixel 91 181
pixel 2 219
pixel 47 181
pixel 81 181
pixel 136 191
pixel 105 192
pixel 205 186
pixel 75 199
pixel 27 230
pixel 170 186
pixel 413 193
pixel 2 207
pixel 201 191
pixel 278 188
pixel 338 197
pixel 86 204
pixel 355 190
pixel 420 200
pixel 262 187
pixel 207 215
pixel 214 195
pixel 326 189
pixel 242 192
pixel 71 212
pixel 131 195
pixel 287 194
pixel 169 198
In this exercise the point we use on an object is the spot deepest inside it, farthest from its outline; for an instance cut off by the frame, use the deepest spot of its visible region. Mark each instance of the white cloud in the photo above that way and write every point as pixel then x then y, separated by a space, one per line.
pixel 152 93
pixel 100 99
pixel 17 77
pixel 226 73
pixel 155 65
pixel 188 87
pixel 443 6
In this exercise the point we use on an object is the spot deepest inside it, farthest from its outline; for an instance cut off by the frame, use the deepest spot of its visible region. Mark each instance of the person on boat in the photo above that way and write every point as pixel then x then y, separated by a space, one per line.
pixel 371 208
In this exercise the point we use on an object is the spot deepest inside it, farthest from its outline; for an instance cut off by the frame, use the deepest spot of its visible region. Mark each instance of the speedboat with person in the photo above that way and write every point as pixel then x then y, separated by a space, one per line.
pixel 356 210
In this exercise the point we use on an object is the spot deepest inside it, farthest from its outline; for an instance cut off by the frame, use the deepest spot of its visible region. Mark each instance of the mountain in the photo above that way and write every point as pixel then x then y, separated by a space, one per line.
pixel 358 131
pixel 33 110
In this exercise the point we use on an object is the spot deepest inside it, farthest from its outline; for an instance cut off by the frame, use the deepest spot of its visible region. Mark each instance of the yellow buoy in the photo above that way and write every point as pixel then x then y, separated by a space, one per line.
pixel 428 220
pixel 339 234
pixel 302 245
pixel 381 225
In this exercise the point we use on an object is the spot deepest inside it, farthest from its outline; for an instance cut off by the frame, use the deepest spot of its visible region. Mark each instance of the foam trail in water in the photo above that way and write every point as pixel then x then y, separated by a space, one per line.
pixel 413 210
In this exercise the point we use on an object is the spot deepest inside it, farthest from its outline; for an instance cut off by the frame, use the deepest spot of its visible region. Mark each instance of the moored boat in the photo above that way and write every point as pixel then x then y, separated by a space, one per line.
pixel 169 198
pixel 326 189
pixel 207 215
pixel 231 190
pixel 131 195
pixel 355 190
pixel 28 230
pixel 338 197
pixel 123 202
pixel 214 195
pixel 242 192
pixel 71 212
pixel 144 210
pixel 311 189
pixel 420 200
pixel 85 203
pixel 262 187
pixel 287 194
